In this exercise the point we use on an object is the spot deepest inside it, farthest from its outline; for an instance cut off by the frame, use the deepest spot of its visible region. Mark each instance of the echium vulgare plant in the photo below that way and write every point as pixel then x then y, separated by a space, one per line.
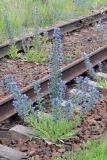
pixel 85 94
pixel 100 66
pixel 56 85
pixel 56 125
pixel 8 27
pixel 60 123
pixel 100 25
pixel 21 102
pixel 40 50
pixel 36 28
pixel 88 64
pixel 102 30
pixel 13 52
pixel 101 81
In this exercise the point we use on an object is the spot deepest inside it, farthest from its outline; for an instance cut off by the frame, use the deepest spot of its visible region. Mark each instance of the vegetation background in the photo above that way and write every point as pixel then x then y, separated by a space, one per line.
pixel 21 13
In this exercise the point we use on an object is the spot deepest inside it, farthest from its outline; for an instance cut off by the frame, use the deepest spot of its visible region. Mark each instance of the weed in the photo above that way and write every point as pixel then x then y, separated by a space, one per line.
pixel 13 52
pixel 39 53
pixel 61 121
pixel 101 81
pixel 94 150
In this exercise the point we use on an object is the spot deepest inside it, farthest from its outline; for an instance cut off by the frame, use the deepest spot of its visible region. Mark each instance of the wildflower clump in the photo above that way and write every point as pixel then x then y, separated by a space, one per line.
pixel 101 81
pixel 8 28
pixel 21 102
pixel 90 93
pixel 101 30
pixel 56 84
pixel 13 52
pixel 40 50
pixel 88 64
pixel 59 124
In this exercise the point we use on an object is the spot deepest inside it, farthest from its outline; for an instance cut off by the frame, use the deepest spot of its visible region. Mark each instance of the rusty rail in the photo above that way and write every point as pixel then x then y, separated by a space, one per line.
pixel 69 72
pixel 66 27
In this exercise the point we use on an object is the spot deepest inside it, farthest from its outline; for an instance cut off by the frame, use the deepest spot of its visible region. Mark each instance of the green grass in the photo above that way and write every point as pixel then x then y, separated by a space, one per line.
pixel 95 151
pixel 21 13
pixel 102 82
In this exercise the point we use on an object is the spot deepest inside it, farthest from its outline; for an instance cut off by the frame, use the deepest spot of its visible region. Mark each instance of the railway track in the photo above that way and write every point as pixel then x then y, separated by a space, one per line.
pixel 69 72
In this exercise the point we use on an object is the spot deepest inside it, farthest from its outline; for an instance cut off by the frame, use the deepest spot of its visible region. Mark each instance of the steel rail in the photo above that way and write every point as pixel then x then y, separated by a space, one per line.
pixel 66 27
pixel 69 72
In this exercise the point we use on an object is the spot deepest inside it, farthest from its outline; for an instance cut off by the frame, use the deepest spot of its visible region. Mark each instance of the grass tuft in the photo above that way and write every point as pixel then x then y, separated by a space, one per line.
pixel 94 151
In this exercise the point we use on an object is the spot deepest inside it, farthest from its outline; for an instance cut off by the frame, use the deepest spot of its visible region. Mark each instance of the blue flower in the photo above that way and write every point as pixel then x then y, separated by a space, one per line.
pixel 21 102
pixel 100 25
pixel 56 85
pixel 37 91
pixel 100 66
pixel 8 28
pixel 56 110
pixel 67 110
pixel 88 64
pixel 85 94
